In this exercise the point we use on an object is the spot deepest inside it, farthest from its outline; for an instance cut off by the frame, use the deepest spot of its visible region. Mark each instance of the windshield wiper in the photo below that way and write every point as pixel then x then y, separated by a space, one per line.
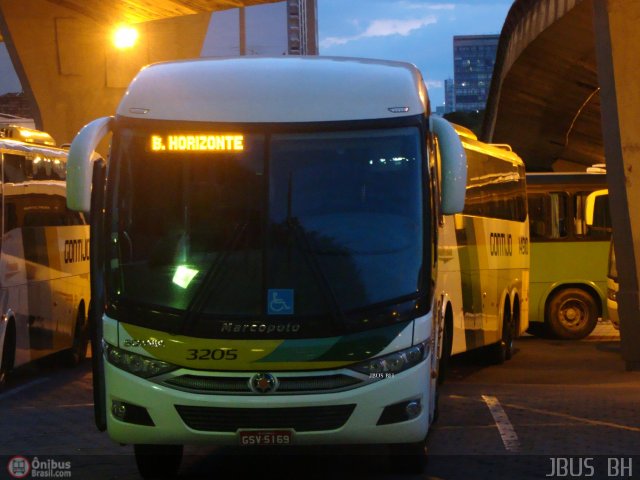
pixel 211 279
pixel 304 245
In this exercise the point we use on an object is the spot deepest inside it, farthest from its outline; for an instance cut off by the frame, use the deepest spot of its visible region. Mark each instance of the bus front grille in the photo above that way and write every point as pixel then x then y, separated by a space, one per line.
pixel 300 419
pixel 240 385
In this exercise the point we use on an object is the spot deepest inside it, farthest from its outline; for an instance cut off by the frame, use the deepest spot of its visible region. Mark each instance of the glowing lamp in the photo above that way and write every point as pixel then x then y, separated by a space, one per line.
pixel 125 37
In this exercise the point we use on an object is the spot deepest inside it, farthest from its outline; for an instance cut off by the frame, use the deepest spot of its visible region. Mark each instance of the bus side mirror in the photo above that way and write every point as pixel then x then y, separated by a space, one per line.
pixel 80 163
pixel 594 207
pixel 454 165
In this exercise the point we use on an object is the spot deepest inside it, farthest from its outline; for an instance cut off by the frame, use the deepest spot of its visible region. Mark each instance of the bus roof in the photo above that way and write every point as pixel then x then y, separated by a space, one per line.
pixel 31 148
pixel 497 151
pixel 571 178
pixel 464 131
pixel 275 90
pixel 27 135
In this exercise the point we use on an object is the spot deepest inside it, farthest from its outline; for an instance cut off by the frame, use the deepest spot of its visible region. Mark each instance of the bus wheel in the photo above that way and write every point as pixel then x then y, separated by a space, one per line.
pixel 572 314
pixel 447 344
pixel 8 354
pixel 409 458
pixel 78 352
pixel 503 350
pixel 158 461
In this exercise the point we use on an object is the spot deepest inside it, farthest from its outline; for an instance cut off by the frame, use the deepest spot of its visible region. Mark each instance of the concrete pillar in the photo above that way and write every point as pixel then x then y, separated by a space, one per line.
pixel 70 70
pixel 617 35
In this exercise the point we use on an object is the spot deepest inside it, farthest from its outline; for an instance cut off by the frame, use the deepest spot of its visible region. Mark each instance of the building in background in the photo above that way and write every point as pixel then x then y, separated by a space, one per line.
pixel 283 28
pixel 14 104
pixel 449 96
pixel 473 60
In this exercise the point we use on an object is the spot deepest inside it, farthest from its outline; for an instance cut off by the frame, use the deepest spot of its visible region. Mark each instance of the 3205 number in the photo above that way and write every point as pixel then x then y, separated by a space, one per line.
pixel 215 354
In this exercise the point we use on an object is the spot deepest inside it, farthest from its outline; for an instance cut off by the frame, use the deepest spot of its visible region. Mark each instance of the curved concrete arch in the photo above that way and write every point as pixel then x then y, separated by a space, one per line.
pixel 544 97
pixel 564 95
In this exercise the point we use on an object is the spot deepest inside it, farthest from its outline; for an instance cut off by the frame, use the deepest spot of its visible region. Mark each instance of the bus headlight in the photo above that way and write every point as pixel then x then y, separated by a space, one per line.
pixel 395 362
pixel 139 365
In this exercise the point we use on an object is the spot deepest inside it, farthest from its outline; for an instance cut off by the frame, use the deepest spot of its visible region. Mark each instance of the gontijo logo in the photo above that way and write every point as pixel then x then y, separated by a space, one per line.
pixel 76 250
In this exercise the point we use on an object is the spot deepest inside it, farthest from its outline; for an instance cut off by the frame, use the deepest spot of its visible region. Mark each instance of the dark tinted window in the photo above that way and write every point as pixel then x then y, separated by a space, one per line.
pixel 548 215
pixel 495 188
pixel 23 168
pixel 36 210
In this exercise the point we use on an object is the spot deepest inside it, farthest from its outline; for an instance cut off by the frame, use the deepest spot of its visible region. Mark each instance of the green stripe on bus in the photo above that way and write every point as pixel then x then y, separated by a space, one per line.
pixel 363 345
pixel 302 350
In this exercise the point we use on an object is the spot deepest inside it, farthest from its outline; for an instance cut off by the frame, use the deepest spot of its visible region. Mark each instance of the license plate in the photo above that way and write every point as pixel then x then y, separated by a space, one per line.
pixel 265 437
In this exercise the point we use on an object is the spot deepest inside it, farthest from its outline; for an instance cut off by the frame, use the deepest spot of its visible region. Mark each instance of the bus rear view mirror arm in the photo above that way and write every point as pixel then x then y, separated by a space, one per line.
pixel 79 166
pixel 454 165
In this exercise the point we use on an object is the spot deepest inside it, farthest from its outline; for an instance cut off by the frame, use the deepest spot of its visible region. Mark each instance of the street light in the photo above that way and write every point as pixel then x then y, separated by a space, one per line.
pixel 124 37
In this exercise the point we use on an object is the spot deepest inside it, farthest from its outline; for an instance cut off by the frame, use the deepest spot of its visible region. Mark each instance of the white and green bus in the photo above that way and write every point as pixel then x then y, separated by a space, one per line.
pixel 483 255
pixel 268 237
pixel 44 256
pixel 568 256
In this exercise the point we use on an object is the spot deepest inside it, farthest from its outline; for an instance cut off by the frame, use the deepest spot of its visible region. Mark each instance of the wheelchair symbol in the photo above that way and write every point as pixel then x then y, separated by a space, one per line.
pixel 280 302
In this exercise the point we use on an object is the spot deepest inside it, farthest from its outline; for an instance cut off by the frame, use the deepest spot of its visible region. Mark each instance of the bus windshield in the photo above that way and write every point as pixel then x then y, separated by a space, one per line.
pixel 266 226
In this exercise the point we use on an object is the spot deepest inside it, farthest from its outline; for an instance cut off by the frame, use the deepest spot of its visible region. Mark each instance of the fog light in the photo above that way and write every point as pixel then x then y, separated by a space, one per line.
pixel 413 409
pixel 129 413
pixel 119 410
pixel 400 412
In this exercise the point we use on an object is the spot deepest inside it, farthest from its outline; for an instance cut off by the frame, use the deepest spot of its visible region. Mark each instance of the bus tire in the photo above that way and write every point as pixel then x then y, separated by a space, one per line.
pixel 158 461
pixel 8 354
pixel 436 408
pixel 503 350
pixel 447 344
pixel 78 351
pixel 572 314
pixel 408 458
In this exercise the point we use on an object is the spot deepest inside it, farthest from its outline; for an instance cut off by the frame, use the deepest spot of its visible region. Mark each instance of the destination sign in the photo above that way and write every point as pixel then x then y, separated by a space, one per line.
pixel 197 143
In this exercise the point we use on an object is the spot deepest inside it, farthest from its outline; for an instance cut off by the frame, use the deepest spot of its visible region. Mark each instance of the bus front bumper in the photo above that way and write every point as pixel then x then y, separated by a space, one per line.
pixel 166 408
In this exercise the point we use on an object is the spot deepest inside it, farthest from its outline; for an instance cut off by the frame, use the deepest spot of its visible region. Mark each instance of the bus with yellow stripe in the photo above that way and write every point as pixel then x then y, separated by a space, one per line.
pixel 44 257
pixel 266 241
pixel 483 256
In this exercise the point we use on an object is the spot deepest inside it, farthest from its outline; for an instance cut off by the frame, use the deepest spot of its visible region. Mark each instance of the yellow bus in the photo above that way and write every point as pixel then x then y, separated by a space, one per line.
pixel 568 294
pixel 44 258
pixel 483 256
pixel 270 247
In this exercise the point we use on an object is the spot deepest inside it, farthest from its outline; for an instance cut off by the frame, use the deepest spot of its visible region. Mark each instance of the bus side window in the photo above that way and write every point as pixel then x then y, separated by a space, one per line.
pixel 14 168
pixel 602 215
pixel 10 217
pixel 558 214
pixel 547 215
pixel 537 216
pixel 579 221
